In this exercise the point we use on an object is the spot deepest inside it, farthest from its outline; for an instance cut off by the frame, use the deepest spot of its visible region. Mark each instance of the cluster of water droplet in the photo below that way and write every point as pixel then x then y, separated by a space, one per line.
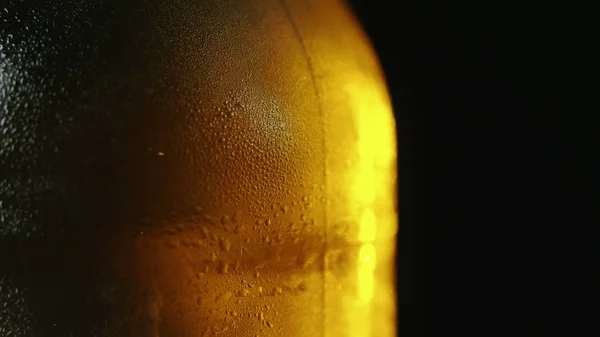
pixel 226 273
pixel 15 317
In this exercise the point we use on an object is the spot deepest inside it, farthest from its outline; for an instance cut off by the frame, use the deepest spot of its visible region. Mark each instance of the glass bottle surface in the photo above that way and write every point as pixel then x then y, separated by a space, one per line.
pixel 194 168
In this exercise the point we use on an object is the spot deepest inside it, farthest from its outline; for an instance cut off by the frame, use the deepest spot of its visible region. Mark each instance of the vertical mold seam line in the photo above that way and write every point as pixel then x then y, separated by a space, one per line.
pixel 321 112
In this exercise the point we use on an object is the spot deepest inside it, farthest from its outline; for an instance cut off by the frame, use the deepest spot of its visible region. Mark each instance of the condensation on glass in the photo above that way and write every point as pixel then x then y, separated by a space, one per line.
pixel 194 168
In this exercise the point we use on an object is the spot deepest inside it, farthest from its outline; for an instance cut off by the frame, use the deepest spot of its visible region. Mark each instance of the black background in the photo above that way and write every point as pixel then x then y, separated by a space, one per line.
pixel 485 173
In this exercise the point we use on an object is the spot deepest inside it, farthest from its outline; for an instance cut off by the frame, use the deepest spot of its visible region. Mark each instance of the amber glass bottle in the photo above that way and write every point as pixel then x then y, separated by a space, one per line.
pixel 191 168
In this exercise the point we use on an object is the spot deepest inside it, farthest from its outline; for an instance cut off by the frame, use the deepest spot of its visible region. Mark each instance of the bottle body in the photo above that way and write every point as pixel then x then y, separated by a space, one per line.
pixel 214 168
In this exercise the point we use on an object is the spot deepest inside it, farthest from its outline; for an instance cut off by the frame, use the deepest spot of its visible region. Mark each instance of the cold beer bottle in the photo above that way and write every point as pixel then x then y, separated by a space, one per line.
pixel 192 168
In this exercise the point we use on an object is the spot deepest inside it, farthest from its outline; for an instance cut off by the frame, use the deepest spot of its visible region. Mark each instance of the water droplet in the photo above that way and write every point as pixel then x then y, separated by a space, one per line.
pixel 305 261
pixel 202 301
pixel 223 267
pixel 244 293
pixel 204 231
pixel 239 229
pixel 224 244
pixel 217 331
pixel 224 296
pixel 197 243
pixel 302 286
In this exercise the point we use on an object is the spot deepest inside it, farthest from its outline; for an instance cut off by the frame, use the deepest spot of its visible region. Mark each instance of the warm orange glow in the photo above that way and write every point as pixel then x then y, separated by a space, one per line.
pixel 372 181
pixel 368 226
pixel 366 267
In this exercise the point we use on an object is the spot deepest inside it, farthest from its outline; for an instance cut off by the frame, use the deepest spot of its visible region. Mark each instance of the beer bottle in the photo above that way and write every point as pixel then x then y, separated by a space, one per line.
pixel 194 168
